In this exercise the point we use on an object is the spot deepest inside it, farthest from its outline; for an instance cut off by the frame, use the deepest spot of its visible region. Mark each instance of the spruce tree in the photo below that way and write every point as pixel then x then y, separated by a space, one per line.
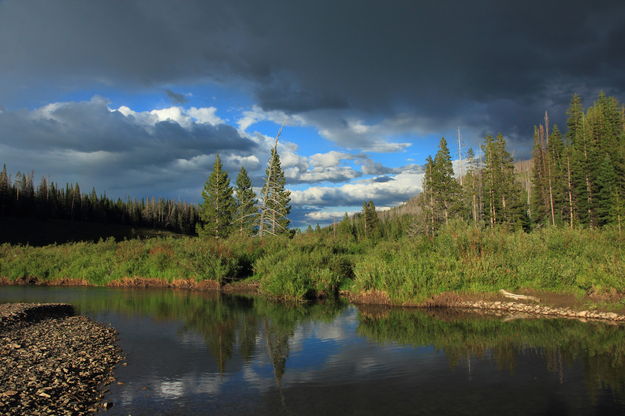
pixel 5 194
pixel 539 191
pixel 371 217
pixel 557 170
pixel 427 221
pixel 446 190
pixel 471 189
pixel 607 191
pixel 218 206
pixel 275 199
pixel 346 227
pixel 503 201
pixel 585 165
pixel 246 215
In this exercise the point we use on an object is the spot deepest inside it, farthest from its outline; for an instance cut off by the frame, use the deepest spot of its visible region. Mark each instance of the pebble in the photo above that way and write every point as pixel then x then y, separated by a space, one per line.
pixel 542 310
pixel 53 363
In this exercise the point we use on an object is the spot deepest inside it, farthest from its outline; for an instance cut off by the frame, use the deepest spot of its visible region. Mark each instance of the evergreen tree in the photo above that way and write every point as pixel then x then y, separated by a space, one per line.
pixel 446 190
pixel 503 201
pixel 575 113
pixel 346 227
pixel 426 200
pixel 371 219
pixel 247 211
pixel 471 189
pixel 607 191
pixel 5 191
pixel 557 171
pixel 217 209
pixel 585 166
pixel 442 194
pixel 275 199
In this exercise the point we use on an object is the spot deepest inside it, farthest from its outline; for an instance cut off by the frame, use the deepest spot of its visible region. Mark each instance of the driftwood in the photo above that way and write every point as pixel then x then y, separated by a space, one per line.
pixel 518 297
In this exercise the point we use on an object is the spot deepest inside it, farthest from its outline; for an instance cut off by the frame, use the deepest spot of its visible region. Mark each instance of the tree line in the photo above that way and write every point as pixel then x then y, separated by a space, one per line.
pixel 20 198
pixel 225 210
pixel 577 178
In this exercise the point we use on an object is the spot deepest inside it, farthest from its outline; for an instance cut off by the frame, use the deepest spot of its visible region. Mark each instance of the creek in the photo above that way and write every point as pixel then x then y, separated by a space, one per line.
pixel 196 353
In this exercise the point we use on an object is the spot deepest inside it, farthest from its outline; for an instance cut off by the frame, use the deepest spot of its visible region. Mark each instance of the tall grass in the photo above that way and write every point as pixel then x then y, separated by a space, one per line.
pixel 460 258
pixel 464 258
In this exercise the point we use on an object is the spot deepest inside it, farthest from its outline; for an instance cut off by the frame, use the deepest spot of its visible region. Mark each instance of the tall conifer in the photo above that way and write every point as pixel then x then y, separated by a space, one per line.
pixel 246 216
pixel 276 198
pixel 217 209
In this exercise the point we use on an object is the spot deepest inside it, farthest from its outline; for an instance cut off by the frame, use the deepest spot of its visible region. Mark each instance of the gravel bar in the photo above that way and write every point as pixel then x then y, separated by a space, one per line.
pixel 52 362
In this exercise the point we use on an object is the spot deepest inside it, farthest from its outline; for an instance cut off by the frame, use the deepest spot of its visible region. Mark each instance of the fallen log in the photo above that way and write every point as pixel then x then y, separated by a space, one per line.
pixel 518 297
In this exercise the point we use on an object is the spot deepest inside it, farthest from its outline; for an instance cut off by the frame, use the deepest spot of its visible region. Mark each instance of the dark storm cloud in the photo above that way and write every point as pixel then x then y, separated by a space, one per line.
pixel 491 65
pixel 135 154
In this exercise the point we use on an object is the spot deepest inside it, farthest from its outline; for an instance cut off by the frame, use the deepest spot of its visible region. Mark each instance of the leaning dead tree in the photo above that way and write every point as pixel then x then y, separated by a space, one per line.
pixel 275 199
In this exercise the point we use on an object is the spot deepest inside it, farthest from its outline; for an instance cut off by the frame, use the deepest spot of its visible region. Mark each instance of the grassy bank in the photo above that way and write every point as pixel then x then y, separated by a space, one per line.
pixel 460 258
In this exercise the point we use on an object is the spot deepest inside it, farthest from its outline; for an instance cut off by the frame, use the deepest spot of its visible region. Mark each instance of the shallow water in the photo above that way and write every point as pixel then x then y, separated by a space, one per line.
pixel 193 353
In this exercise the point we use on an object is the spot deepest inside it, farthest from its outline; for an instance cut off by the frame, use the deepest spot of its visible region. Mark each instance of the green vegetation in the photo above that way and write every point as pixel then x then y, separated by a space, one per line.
pixel 482 232
pixel 218 209
pixel 460 258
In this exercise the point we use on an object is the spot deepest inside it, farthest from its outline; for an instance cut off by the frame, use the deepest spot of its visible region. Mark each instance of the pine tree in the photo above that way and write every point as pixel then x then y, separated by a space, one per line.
pixel 217 209
pixel 276 199
pixel 446 189
pixel 5 191
pixel 247 211
pixel 607 191
pixel 503 201
pixel 575 113
pixel 371 219
pixel 584 161
pixel 539 192
pixel 471 189
pixel 426 199
pixel 557 170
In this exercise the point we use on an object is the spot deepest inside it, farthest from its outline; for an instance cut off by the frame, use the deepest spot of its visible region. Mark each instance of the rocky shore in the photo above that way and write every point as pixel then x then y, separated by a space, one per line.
pixel 52 362
pixel 538 309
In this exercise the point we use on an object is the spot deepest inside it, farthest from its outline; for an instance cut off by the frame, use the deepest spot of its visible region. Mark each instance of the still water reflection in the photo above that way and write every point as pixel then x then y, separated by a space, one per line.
pixel 194 353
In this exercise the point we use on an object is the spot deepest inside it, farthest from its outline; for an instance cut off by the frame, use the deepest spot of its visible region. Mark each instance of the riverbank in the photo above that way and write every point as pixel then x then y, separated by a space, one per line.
pixel 540 303
pixel 52 362
pixel 461 259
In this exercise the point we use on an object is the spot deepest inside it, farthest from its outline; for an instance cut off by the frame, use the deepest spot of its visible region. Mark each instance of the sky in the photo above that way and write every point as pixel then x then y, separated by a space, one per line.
pixel 135 98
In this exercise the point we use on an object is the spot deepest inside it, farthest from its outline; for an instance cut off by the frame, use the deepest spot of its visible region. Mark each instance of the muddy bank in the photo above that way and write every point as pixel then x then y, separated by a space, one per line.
pixel 51 362
pixel 126 282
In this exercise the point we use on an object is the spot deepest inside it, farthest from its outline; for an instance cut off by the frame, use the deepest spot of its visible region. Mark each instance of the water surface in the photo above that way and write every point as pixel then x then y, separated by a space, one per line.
pixel 193 353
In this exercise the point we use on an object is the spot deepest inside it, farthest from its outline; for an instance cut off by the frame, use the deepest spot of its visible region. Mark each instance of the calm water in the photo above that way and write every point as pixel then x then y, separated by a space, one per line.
pixel 197 353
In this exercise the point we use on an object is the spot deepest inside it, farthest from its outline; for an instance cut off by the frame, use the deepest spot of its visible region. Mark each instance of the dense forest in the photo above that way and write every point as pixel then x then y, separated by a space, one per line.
pixel 20 198
pixel 577 179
